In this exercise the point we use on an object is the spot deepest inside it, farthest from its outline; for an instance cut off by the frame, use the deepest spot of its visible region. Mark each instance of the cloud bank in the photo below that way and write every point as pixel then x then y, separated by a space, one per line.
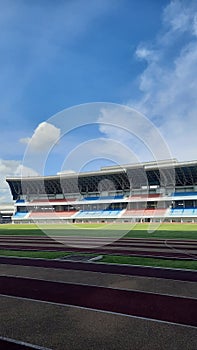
pixel 44 137
pixel 11 168
pixel 168 85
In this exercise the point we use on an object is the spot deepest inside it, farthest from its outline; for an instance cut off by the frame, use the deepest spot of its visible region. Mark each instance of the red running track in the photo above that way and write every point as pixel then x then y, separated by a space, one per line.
pixel 156 272
pixel 133 303
pixel 81 243
pixel 48 239
pixel 177 249
pixel 165 255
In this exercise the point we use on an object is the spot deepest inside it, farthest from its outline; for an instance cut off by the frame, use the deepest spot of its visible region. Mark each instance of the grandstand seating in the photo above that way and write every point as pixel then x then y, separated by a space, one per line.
pixel 181 194
pixel 52 215
pixel 145 212
pixel 189 211
pixel 20 201
pixel 131 185
pixel 53 200
pixel 176 211
pixel 89 198
pixel 145 196
pixel 183 212
pixel 20 215
pixel 98 213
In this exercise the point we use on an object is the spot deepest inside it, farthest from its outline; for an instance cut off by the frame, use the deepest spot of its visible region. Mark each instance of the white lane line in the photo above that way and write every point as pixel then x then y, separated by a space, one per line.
pixel 18 342
pixel 98 263
pixel 99 311
pixel 98 286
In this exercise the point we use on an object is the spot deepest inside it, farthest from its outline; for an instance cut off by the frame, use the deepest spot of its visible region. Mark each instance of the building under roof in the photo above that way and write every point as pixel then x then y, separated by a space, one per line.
pixel 132 192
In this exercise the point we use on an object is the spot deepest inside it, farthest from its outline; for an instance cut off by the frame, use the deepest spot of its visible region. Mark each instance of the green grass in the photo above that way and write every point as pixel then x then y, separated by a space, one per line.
pixel 163 234
pixel 18 230
pixel 129 260
pixel 35 254
pixel 113 259
pixel 165 230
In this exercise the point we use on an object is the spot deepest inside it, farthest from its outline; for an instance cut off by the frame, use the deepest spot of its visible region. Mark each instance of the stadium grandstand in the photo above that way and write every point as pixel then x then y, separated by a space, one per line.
pixel 6 213
pixel 153 191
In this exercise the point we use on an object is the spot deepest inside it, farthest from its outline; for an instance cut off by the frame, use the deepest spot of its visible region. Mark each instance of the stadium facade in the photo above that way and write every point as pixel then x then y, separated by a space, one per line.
pixel 6 213
pixel 145 192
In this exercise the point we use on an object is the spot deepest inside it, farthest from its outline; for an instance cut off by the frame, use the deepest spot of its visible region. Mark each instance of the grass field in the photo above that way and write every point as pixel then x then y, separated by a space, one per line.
pixel 112 259
pixel 165 231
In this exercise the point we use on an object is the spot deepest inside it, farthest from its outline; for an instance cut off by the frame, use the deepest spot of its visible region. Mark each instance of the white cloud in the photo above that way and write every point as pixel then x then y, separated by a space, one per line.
pixel 169 82
pixel 44 137
pixel 143 52
pixel 11 168
pixel 178 16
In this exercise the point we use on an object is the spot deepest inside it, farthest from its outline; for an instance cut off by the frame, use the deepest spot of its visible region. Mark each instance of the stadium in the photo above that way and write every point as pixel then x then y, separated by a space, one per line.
pixel 98 175
pixel 119 279
pixel 6 213
pixel 145 192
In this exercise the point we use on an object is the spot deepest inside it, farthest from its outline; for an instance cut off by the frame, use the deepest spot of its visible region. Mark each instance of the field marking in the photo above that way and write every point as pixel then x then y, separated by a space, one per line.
pixel 98 263
pixel 194 257
pixel 19 342
pixel 98 311
pixel 100 286
pixel 106 251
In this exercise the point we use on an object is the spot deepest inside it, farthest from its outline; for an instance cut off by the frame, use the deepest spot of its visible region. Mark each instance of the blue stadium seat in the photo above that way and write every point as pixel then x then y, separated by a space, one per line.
pixel 104 198
pixel 180 194
pixel 176 211
pixel 20 215
pixel 189 211
pixel 183 212
pixel 98 213
pixel 91 198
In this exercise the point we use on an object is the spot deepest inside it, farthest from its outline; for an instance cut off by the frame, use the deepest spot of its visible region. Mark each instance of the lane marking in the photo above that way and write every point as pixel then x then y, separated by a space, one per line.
pixel 99 311
pixel 174 309
pixel 98 286
pixel 148 267
pixel 22 343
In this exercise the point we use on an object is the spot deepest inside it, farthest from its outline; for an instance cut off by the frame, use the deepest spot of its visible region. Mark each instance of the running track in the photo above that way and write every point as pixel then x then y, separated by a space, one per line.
pixel 173 249
pixel 175 274
pixel 9 344
pixel 140 304
pixel 143 305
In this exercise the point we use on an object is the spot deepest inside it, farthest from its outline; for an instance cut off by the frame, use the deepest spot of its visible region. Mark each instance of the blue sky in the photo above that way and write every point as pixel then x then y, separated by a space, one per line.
pixel 56 55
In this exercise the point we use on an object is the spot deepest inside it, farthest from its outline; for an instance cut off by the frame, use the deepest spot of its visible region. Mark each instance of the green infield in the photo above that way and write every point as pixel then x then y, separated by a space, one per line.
pixel 112 259
pixel 163 231
pixel 17 229
pixel 156 262
pixel 115 231
pixel 33 254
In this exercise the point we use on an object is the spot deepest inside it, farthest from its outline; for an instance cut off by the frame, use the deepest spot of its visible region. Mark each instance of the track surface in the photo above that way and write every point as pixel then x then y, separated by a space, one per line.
pixel 153 313
pixel 148 305
pixel 175 274
pixel 173 249
pixel 9 344
pixel 128 303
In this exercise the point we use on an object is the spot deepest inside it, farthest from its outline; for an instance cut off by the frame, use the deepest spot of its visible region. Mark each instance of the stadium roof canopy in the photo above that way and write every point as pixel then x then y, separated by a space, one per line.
pixel 118 178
